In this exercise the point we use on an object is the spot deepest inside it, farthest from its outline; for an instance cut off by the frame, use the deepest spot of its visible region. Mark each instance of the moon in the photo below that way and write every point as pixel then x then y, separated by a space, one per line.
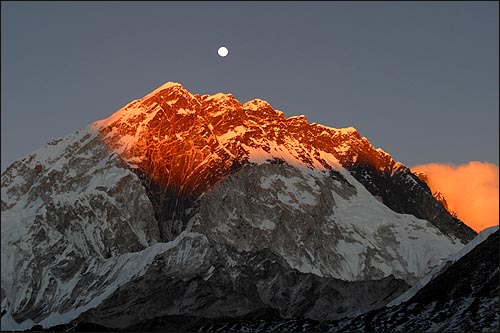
pixel 223 51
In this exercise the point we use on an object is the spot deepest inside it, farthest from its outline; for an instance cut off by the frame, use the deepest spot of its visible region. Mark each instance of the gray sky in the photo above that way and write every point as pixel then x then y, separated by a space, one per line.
pixel 419 80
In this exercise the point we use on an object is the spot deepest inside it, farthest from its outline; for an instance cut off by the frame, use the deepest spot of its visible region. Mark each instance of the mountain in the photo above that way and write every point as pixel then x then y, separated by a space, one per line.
pixel 198 205
pixel 438 270
pixel 461 295
pixel 438 195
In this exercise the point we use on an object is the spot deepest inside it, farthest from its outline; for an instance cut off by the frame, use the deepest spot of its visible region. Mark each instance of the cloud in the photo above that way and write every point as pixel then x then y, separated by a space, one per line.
pixel 470 189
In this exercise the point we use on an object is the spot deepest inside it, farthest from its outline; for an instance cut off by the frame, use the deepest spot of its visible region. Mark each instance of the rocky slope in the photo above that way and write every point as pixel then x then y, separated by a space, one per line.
pixel 231 283
pixel 460 296
pixel 438 195
pixel 203 185
pixel 185 143
pixel 463 295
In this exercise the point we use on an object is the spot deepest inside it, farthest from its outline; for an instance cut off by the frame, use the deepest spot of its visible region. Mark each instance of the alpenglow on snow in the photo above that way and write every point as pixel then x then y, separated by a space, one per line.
pixel 232 208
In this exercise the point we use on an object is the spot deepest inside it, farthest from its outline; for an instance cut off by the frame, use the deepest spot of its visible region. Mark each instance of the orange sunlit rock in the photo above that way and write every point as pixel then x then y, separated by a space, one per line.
pixel 187 142
pixel 183 143
pixel 470 189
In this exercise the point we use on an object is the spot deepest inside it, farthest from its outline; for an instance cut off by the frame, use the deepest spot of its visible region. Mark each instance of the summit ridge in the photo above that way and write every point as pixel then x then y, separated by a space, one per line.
pixel 198 205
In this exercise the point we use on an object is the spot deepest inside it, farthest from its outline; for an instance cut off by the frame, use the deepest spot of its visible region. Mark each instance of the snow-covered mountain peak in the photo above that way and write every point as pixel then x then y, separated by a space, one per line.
pixel 299 118
pixel 94 213
pixel 167 85
pixel 189 142
pixel 216 105
pixel 256 104
pixel 177 137
pixel 218 97
pixel 170 84
pixel 215 128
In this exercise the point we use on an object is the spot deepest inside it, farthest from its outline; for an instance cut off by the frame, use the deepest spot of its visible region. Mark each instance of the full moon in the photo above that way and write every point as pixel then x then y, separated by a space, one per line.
pixel 223 51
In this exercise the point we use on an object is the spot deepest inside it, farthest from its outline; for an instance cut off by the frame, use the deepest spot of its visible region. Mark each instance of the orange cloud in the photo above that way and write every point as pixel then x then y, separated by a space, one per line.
pixel 470 189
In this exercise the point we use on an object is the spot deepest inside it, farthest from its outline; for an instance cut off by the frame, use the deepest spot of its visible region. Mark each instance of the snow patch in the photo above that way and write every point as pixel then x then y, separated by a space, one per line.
pixel 481 237
pixel 238 130
pixel 119 270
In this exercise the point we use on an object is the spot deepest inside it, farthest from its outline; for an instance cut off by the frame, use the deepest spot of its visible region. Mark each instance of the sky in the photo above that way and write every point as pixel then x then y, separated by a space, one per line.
pixel 418 79
pixel 470 190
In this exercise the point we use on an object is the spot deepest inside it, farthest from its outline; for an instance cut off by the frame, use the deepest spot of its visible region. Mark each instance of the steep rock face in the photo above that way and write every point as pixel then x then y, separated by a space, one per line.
pixel 404 192
pixel 465 297
pixel 222 281
pixel 321 222
pixel 67 214
pixel 88 213
pixel 462 297
pixel 185 143
pixel 438 195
